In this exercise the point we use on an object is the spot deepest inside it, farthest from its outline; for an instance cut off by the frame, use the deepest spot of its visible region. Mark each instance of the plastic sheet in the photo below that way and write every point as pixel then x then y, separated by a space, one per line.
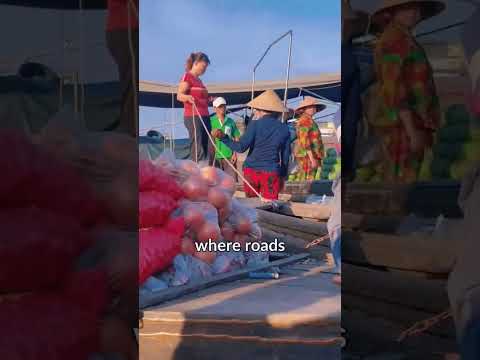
pixel 228 261
pixel 186 269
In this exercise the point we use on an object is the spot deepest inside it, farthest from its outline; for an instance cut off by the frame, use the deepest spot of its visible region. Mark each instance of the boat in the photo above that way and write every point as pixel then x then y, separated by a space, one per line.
pixel 395 256
pixel 298 313
pixel 233 313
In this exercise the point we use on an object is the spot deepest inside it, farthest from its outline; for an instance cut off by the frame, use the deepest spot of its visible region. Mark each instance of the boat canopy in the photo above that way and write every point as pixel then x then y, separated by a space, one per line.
pixel 156 94
pixel 59 4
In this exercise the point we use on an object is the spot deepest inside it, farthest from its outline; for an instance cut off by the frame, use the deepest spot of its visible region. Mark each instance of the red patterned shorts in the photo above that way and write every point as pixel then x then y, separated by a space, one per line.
pixel 267 183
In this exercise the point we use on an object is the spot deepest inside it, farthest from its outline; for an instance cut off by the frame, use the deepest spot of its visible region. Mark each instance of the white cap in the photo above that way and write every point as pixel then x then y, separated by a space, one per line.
pixel 219 101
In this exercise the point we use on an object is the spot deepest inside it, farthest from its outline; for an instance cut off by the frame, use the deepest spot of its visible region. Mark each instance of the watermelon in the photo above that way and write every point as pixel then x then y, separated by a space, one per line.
pixel 457 114
pixel 330 161
pixel 331 152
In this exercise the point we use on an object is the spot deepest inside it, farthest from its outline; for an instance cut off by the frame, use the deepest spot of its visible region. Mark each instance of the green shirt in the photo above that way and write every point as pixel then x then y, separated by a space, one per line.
pixel 224 152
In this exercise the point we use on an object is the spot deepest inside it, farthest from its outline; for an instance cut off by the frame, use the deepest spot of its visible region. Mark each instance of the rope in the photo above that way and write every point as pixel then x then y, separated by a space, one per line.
pixel 317 241
pixel 131 6
pixel 424 325
pixel 195 133
pixel 240 175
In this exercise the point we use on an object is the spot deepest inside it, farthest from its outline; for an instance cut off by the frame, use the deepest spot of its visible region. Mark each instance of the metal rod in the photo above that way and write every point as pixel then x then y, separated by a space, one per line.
pixel 288 73
pixel 253 84
pixel 290 32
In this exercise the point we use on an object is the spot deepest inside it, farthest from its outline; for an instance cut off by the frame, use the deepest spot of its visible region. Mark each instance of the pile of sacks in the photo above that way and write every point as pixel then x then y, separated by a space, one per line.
pixel 209 212
pixel 47 213
pixel 160 234
pixel 456 149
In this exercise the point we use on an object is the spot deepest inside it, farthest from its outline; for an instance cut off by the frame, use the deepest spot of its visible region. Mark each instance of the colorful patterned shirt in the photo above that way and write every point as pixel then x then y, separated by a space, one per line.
pixel 405 79
pixel 308 138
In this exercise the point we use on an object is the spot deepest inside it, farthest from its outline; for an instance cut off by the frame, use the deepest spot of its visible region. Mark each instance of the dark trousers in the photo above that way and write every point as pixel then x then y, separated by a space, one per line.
pixel 201 148
pixel 119 47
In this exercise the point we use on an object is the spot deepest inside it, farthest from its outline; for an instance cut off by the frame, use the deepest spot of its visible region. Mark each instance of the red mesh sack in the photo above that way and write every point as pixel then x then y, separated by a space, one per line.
pixel 60 188
pixel 158 247
pixel 154 208
pixel 32 176
pixel 55 325
pixel 152 177
pixel 37 249
pixel 16 154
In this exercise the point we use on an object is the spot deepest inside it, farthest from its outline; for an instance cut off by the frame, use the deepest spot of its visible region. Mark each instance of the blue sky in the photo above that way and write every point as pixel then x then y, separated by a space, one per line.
pixel 234 34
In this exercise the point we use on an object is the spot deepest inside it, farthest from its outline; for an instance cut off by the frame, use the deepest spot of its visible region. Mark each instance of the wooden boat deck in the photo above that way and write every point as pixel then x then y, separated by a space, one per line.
pixel 298 313
pixel 393 278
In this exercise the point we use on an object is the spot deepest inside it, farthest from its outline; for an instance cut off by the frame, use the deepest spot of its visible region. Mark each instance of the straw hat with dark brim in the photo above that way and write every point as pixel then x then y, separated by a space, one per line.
pixel 383 14
pixel 310 101
pixel 268 101
pixel 348 14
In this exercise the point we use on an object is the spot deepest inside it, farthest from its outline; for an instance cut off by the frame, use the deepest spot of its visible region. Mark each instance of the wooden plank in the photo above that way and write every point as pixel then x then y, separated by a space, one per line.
pixel 291 208
pixel 376 198
pixel 282 197
pixel 284 230
pixel 422 253
pixel 296 245
pixel 308 226
pixel 309 211
pixel 421 294
pixel 159 297
pixel 375 223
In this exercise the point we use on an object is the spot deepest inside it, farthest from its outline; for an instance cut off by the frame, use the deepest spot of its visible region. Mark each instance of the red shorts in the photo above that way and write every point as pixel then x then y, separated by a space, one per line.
pixel 267 183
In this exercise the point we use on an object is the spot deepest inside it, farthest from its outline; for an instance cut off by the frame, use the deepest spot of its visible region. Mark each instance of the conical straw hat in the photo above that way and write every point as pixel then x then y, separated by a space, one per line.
pixel 268 101
pixel 429 8
pixel 310 101
pixel 355 22
pixel 347 12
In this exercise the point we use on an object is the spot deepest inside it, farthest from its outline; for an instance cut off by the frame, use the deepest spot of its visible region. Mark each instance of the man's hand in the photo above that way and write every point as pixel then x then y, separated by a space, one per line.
pixel 234 158
pixel 314 163
pixel 218 134
pixel 190 99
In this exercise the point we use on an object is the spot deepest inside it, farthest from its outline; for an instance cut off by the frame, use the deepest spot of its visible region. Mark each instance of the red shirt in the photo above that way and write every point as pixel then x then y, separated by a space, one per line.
pixel 199 93
pixel 117 17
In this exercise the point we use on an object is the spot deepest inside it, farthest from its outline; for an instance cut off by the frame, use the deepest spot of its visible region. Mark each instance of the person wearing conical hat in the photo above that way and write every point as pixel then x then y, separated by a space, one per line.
pixel 309 149
pixel 267 140
pixel 408 113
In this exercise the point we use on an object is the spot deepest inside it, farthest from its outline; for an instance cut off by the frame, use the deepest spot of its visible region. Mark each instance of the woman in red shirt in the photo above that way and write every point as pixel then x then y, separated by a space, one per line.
pixel 192 91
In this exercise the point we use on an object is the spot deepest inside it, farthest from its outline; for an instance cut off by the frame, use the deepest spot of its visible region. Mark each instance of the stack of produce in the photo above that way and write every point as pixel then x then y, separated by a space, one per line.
pixel 160 235
pixel 331 166
pixel 456 149
pixel 47 212
pixel 209 213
